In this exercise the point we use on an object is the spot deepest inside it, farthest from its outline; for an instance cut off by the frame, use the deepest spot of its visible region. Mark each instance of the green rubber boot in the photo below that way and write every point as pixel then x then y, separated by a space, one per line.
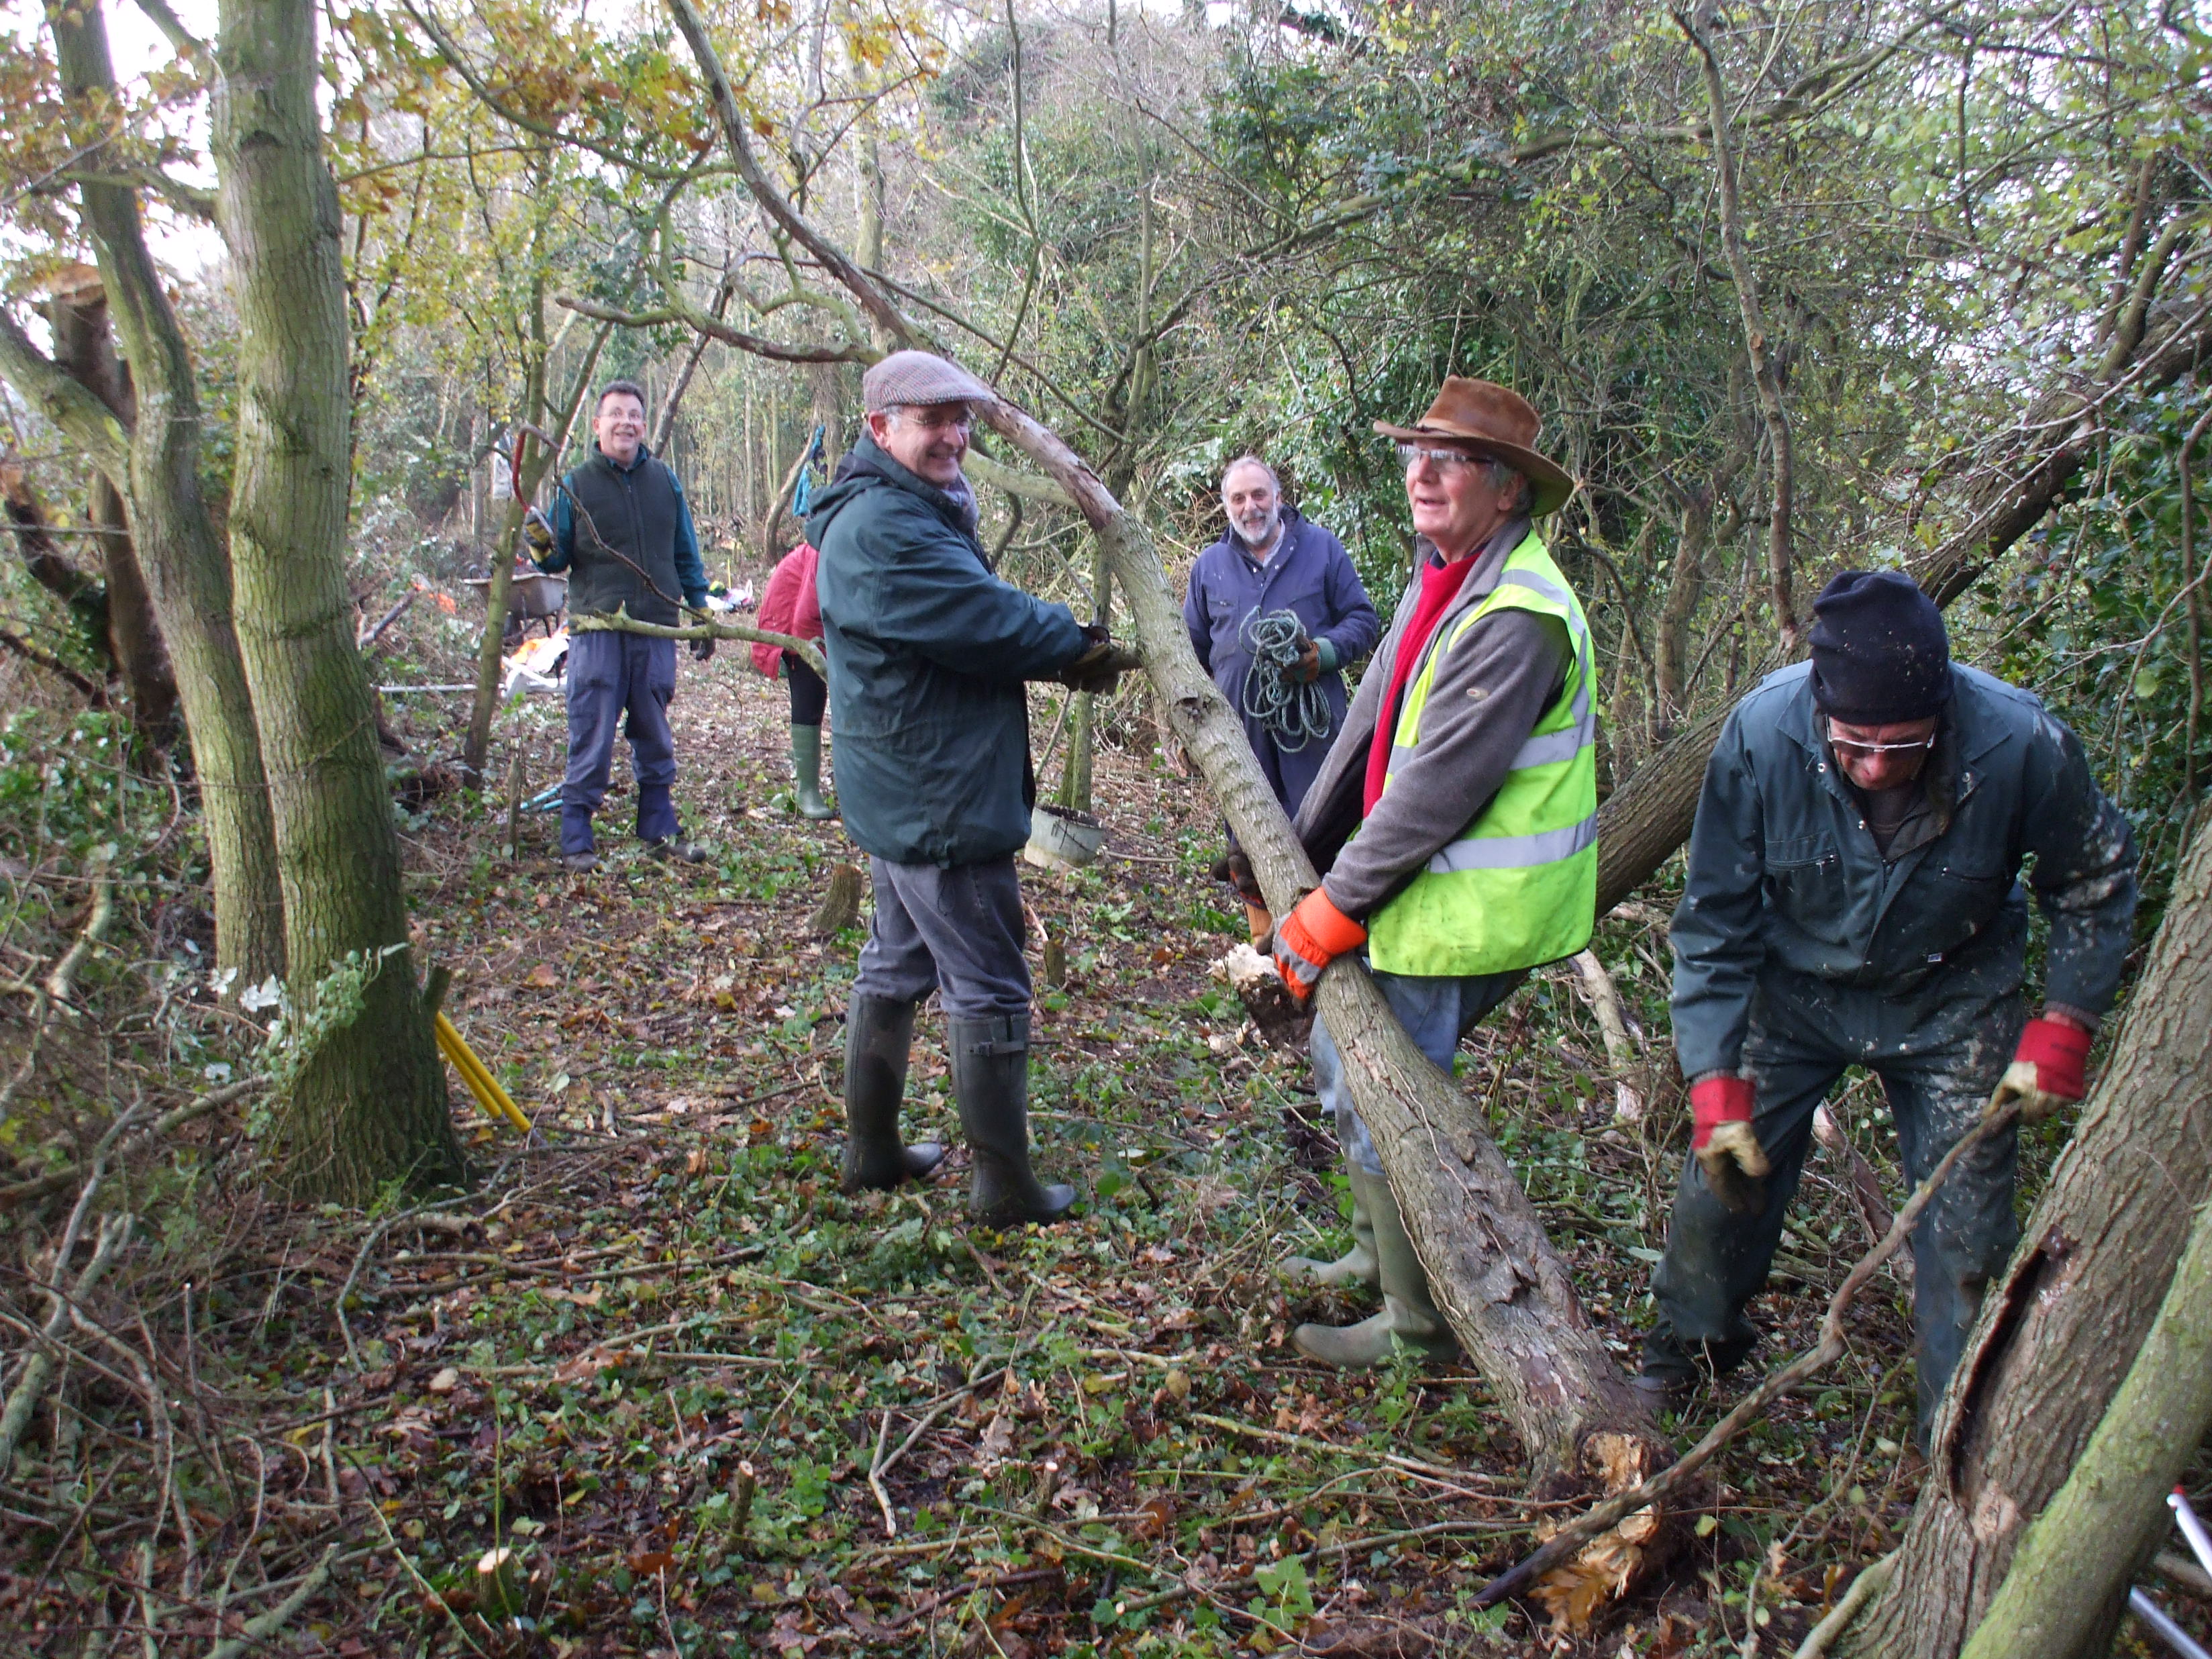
pixel 877 1036
pixel 991 1081
pixel 1356 1266
pixel 1407 1316
pixel 806 773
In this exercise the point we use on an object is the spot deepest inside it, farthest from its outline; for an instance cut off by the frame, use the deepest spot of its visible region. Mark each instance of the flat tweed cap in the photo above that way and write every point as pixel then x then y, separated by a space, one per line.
pixel 918 377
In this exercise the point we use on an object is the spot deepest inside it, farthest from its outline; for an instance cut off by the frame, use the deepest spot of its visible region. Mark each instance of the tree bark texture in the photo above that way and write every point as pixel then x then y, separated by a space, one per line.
pixel 186 571
pixel 370 1106
pixel 1507 1294
pixel 2059 1330
pixel 2074 1566
pixel 84 347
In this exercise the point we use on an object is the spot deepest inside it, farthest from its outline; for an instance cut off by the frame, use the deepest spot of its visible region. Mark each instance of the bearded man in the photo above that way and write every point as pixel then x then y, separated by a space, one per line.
pixel 1271 560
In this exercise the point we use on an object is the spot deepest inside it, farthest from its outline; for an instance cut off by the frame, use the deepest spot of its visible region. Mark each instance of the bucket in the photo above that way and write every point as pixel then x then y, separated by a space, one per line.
pixel 1061 840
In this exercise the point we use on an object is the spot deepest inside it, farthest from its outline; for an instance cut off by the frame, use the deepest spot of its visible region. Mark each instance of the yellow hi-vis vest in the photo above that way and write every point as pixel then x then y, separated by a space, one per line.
pixel 1519 885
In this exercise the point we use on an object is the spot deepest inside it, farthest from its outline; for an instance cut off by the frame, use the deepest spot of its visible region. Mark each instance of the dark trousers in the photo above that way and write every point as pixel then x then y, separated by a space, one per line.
pixel 618 681
pixel 810 693
pixel 1797 1048
pixel 957 930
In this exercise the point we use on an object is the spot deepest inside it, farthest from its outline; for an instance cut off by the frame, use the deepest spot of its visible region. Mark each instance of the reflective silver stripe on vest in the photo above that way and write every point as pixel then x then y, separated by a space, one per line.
pixel 1553 747
pixel 1514 852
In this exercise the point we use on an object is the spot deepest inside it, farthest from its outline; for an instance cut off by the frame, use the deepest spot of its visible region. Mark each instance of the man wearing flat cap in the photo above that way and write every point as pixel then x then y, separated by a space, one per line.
pixel 1852 899
pixel 1455 817
pixel 928 652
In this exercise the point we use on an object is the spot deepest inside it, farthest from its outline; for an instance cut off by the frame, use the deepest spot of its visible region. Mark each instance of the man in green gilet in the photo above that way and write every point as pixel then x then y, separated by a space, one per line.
pixel 1455 819
pixel 623 530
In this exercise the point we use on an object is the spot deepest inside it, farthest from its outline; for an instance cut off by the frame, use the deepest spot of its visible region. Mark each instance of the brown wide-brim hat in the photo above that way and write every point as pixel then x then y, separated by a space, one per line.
pixel 1484 418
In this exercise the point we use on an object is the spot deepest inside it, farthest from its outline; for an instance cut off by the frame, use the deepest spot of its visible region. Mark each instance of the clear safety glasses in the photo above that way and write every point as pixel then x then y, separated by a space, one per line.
pixel 1843 745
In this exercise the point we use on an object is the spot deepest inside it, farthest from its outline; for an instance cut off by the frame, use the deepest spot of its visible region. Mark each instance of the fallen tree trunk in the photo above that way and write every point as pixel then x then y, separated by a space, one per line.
pixel 2058 1330
pixel 1505 1292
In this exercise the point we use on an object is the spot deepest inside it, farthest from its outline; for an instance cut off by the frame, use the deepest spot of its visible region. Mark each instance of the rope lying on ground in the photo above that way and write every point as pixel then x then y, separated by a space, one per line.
pixel 1294 714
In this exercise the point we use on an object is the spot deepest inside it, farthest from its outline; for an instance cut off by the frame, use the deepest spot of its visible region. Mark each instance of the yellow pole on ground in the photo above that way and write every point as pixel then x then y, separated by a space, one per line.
pixel 484 1086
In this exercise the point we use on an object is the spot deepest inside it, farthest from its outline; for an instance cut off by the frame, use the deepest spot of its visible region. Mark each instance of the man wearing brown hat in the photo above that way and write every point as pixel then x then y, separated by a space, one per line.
pixel 928 652
pixel 1455 818
pixel 1851 900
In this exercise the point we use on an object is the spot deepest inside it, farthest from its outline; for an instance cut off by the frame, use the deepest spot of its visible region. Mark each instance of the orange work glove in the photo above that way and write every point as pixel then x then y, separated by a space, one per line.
pixel 1310 937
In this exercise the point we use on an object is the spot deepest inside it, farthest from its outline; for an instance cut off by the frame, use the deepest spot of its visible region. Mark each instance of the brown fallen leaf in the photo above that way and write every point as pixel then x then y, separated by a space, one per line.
pixel 544 976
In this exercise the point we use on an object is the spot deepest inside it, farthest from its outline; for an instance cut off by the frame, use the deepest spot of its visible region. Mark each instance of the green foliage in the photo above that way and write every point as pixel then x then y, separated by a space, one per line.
pixel 2103 620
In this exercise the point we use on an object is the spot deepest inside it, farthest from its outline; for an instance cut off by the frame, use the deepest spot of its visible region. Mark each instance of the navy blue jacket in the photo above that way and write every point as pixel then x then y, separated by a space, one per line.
pixel 1311 574
pixel 927 651
pixel 1787 893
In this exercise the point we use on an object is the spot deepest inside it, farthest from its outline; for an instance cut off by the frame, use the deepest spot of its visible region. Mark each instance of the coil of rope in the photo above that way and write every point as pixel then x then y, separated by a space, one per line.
pixel 1293 714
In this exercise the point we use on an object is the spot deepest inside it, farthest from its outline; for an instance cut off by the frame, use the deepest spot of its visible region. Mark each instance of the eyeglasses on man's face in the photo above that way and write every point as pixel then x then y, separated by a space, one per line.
pixel 1855 746
pixel 937 417
pixel 1444 460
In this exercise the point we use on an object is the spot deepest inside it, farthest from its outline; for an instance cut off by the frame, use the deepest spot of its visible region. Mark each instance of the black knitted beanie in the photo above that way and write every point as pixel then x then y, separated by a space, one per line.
pixel 1879 654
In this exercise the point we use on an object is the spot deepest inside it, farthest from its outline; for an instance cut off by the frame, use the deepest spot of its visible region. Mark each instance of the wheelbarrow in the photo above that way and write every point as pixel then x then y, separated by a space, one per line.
pixel 531 596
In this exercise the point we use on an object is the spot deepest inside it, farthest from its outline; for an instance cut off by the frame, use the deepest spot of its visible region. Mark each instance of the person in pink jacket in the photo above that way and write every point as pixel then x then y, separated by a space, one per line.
pixel 789 606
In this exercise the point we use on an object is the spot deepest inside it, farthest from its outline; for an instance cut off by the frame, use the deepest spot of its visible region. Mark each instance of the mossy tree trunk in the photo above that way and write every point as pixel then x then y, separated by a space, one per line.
pixel 187 575
pixel 2059 1330
pixel 2070 1572
pixel 84 346
pixel 370 1106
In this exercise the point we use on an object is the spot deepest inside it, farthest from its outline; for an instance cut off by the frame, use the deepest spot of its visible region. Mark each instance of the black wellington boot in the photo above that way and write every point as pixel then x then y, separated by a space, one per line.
pixel 878 1033
pixel 991 1080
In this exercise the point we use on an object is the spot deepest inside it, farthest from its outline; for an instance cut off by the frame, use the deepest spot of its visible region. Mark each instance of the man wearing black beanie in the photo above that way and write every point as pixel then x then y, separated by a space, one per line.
pixel 1852 899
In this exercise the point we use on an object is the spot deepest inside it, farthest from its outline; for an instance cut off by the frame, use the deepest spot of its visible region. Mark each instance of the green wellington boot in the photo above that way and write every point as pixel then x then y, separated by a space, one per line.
pixel 1356 1266
pixel 991 1081
pixel 877 1034
pixel 806 773
pixel 1407 1316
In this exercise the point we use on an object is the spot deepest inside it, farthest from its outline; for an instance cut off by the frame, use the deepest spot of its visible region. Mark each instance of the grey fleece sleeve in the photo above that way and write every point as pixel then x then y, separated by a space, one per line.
pixel 1489 692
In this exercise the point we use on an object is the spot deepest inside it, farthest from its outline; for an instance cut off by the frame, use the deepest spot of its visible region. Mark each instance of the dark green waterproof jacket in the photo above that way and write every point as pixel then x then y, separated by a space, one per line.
pixel 927 651
pixel 1787 895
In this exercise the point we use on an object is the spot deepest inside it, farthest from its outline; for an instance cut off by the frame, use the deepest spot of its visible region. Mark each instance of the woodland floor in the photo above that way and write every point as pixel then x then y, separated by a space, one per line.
pixel 660 1357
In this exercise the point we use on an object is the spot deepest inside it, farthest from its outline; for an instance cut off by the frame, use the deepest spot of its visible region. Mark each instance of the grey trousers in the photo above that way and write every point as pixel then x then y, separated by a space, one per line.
pixel 1435 1013
pixel 1798 1047
pixel 957 930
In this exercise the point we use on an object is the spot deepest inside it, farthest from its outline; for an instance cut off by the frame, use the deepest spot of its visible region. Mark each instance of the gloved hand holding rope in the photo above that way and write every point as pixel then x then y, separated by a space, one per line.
pixel 1282 686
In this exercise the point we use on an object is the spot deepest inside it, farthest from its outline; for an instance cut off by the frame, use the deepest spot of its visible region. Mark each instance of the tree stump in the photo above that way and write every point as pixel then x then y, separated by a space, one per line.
pixel 840 906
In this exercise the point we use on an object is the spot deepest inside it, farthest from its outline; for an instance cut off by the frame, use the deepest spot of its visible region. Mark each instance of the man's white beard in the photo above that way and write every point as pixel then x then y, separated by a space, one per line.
pixel 1265 539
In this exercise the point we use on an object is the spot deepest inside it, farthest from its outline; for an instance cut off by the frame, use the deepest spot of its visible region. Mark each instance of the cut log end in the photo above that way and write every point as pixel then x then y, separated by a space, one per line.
pixel 1252 977
pixel 1624 1556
